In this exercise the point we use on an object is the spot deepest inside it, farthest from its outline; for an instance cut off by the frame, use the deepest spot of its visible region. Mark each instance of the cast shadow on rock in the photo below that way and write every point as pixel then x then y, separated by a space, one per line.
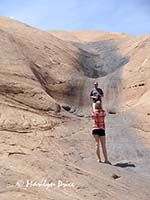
pixel 125 164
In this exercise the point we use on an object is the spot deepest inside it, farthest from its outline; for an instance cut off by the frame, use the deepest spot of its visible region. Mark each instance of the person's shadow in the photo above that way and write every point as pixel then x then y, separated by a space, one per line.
pixel 124 164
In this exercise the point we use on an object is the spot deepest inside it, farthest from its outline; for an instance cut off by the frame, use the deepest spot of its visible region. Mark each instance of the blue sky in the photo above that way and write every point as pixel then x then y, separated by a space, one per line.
pixel 129 16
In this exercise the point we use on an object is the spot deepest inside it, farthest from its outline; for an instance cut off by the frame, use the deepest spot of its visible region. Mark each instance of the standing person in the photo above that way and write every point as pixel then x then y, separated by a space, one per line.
pixel 98 131
pixel 96 94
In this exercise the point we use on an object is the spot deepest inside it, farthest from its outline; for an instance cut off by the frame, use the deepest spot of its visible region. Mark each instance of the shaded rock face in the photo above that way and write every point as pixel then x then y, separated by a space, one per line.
pixel 103 57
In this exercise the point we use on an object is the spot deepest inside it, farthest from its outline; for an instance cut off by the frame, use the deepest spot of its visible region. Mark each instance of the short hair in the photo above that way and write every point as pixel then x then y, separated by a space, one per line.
pixel 95 83
pixel 98 105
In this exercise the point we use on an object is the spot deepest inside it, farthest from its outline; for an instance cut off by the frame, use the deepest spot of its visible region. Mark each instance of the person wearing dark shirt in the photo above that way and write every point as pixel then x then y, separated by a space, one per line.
pixel 96 94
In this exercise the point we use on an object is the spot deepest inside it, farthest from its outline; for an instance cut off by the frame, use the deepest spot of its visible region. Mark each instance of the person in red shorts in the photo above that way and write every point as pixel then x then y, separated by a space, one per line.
pixel 98 131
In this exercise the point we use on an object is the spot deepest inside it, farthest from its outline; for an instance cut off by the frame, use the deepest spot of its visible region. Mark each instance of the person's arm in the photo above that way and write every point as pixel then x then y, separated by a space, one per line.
pixel 91 96
pixel 93 115
pixel 104 113
pixel 101 93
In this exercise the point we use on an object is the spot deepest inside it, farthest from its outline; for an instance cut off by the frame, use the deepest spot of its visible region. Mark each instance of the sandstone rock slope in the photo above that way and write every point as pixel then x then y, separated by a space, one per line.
pixel 45 123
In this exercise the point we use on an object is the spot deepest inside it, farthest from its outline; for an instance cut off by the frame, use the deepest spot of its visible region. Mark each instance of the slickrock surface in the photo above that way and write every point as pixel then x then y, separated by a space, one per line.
pixel 45 123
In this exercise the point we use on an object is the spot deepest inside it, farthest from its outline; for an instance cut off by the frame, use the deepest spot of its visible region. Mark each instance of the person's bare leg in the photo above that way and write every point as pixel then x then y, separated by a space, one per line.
pixel 103 143
pixel 93 106
pixel 96 137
